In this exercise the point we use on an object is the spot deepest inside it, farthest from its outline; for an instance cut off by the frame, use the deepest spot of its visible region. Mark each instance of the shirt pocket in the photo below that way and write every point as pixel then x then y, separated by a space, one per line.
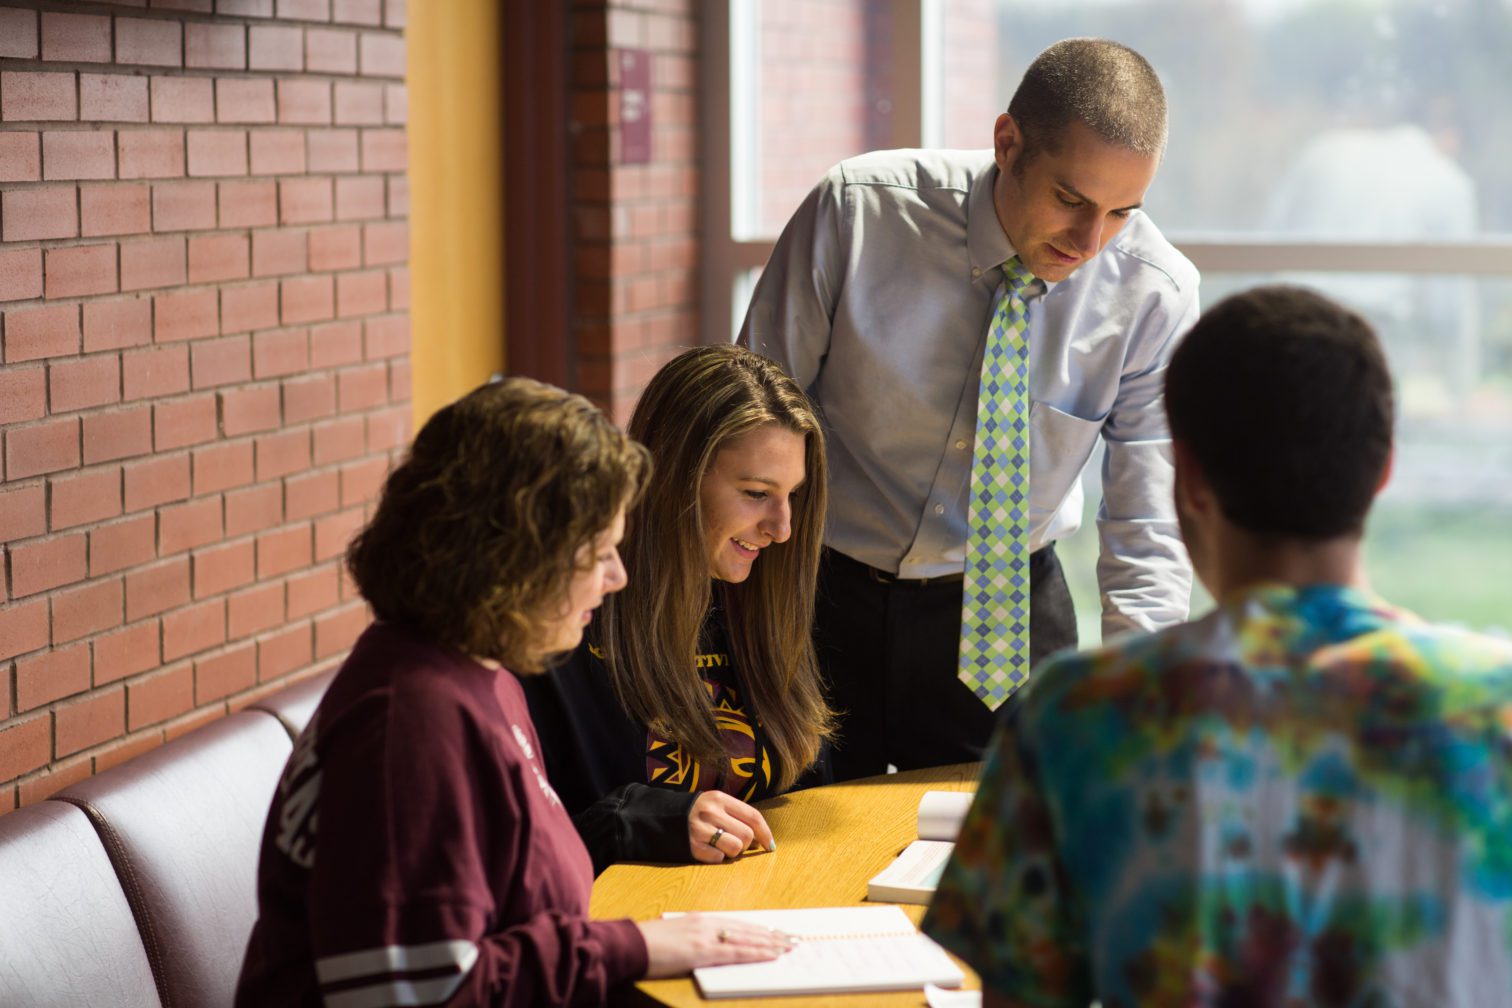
pixel 1060 443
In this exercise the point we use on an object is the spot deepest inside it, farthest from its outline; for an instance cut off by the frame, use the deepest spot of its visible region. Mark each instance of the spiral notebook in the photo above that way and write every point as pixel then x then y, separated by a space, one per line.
pixel 840 950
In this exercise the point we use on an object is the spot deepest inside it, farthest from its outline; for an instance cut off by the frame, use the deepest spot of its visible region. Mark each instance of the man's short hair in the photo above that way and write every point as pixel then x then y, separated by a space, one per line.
pixel 1107 86
pixel 1284 399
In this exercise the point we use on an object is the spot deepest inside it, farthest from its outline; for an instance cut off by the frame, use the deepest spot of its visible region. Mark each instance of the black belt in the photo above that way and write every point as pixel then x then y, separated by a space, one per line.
pixel 840 560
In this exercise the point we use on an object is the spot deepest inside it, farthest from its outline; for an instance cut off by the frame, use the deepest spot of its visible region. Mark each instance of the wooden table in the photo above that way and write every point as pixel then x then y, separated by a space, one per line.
pixel 830 840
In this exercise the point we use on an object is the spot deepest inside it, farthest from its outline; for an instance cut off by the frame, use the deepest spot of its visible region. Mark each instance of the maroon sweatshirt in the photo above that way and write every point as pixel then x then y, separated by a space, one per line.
pixel 416 855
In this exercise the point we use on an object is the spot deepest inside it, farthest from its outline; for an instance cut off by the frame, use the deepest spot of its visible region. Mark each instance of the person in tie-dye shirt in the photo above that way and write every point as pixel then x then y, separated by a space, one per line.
pixel 1304 797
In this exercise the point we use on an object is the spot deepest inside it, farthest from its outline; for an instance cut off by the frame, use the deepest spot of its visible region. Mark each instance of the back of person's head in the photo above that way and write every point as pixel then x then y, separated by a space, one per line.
pixel 696 405
pixel 1107 86
pixel 476 535
pixel 1284 400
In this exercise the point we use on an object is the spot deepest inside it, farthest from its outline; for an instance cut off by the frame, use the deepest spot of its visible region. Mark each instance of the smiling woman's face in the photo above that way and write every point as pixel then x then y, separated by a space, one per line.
pixel 746 498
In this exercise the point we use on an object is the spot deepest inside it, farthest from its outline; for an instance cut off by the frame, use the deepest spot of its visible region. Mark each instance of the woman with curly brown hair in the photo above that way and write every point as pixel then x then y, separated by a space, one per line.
pixel 414 852
pixel 697 690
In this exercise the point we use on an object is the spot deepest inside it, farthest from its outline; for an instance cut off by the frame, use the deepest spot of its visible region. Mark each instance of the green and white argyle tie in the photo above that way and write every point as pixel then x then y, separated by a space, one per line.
pixel 995 602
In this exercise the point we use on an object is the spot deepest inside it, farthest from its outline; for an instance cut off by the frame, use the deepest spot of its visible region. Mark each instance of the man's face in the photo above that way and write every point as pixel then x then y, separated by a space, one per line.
pixel 1062 206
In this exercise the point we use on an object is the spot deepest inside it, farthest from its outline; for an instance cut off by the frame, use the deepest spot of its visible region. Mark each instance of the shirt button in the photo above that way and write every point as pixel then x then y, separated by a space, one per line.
pixel 976 271
pixel 961 445
pixel 939 509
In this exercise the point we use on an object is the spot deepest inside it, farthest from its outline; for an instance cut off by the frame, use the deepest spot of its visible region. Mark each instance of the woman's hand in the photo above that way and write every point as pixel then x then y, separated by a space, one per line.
pixel 722 827
pixel 675 945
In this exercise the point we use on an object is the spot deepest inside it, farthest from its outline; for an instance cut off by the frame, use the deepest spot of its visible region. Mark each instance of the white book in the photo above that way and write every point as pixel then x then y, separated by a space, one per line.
pixel 915 874
pixel 840 950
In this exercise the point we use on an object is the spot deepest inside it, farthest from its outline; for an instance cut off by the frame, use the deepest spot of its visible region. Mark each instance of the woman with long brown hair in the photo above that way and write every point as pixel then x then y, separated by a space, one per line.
pixel 696 691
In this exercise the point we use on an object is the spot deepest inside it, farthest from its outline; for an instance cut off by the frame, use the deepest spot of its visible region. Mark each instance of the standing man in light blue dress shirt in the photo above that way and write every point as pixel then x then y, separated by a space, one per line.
pixel 877 300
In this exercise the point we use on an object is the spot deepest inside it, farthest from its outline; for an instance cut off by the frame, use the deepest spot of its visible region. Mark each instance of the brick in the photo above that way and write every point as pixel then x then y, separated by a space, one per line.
pixel 219 257
pixel 126 653
pixel 398 196
pixel 219 569
pixel 311 591
pixel 330 51
pixel 78 612
pixel 359 103
pixel 185 315
pixel 335 344
pixel 245 8
pixel 156 481
pixel 335 248
pixel 305 201
pixel 152 43
pixel 362 388
pixel 194 628
pixel 88 721
pixel 386 337
pixel 20 274
pixel 18 40
pixel 389 430
pixel 254 509
pixel 304 102
pixel 52 675
pixel 113 98
pixel 223 674
pixel 75 38
pixel 271 47
pixel 156 262
pixel 382 55
pixel 183 206
pixel 222 466
pixel 35 333
pixel 23 511
pixel 215 46
pixel 282 551
pixel 183 99
pixel 119 322
pixel 31 214
pixel 248 204
pixel 117 434
pixel 23 627
pixel 310 494
pixel 157 589
pixel 84 382
pixel 399 285
pixel 277 152
pixel 304 10
pixel 247 410
pixel 25 95
pixel 395 104
pixel 362 480
pixel 126 749
pixel 20 160
pixel 247 307
pixel 367 12
pixel 187 421
pixel 220 361
pixel 120 545
pixel 150 153
pixel 283 652
pixel 179 727
pixel 339 440
pixel 25 744
pixel 337 630
pixel 385 243
pixel 78 154
pixel 282 453
pixel 41 448
pixel 276 253
pixel 114 210
pixel 159 697
pixel 359 198
pixel 81 269
pixel 41 564
pixel 217 152
pixel 361 293
pixel 244 101
pixel 59 775
pixel 280 352
pixel 333 150
pixel 188 525
pixel 308 299
pixel 255 610
pixel 23 396
pixel 309 398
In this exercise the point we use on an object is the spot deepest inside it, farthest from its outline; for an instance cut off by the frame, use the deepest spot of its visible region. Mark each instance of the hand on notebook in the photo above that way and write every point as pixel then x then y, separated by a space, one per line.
pixel 721 827
pixel 676 945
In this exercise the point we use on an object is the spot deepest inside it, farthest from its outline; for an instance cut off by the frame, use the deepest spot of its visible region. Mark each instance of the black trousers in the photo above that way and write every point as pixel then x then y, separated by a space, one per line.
pixel 888 650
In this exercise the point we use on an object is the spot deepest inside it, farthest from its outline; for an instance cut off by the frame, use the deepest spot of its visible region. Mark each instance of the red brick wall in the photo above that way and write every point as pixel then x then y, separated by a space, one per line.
pixel 203 284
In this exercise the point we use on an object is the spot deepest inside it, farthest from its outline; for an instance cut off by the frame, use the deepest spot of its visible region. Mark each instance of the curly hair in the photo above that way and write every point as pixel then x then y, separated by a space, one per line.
pixel 476 536
pixel 695 406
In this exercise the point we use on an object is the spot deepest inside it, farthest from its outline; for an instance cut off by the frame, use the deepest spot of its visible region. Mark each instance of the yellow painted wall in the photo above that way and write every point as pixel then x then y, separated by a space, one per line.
pixel 456 199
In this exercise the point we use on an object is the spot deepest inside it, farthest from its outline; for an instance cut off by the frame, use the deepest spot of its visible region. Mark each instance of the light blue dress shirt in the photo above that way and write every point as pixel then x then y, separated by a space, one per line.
pixel 876 300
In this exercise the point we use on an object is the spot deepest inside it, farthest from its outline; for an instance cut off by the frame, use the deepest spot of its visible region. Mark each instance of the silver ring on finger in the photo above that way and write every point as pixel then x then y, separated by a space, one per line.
pixel 714 842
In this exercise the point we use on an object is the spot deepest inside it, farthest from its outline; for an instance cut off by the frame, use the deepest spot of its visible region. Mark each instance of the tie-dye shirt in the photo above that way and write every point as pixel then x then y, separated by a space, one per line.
pixel 1304 798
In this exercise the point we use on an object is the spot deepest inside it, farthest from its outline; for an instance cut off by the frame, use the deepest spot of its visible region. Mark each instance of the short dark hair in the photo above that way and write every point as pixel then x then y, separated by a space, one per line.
pixel 1284 399
pixel 476 535
pixel 1104 84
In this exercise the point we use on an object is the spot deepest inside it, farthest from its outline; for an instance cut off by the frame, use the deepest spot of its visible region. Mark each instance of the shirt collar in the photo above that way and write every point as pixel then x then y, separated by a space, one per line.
pixel 986 242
